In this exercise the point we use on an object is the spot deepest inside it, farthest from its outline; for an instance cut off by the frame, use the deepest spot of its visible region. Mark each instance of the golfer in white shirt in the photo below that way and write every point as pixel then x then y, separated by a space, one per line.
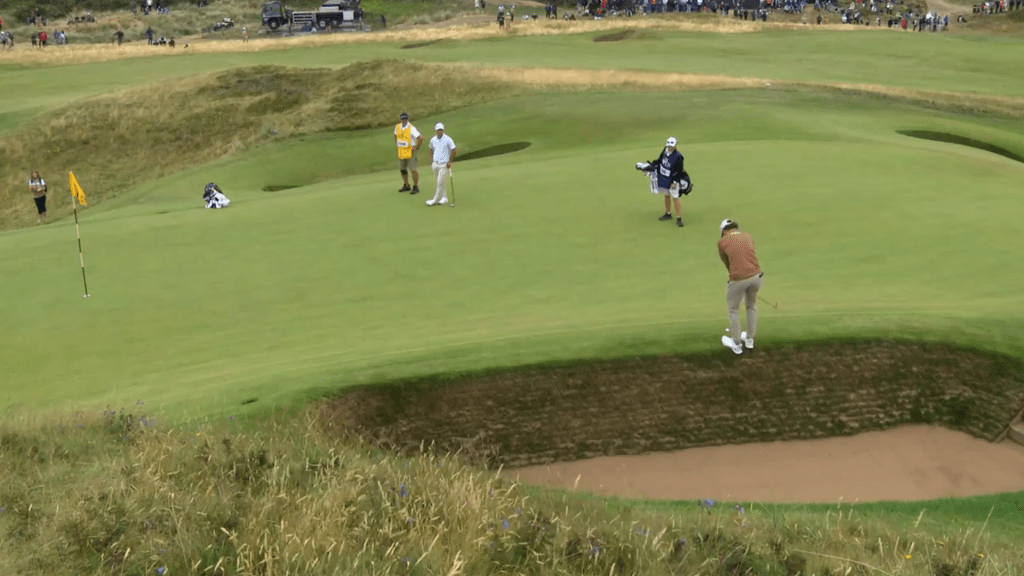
pixel 444 152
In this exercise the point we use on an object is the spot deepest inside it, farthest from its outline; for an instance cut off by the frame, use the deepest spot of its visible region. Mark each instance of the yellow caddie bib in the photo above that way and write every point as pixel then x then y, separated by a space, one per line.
pixel 404 141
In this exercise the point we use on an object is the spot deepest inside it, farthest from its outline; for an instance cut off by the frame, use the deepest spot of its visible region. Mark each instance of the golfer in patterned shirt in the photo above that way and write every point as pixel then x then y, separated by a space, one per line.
pixel 444 152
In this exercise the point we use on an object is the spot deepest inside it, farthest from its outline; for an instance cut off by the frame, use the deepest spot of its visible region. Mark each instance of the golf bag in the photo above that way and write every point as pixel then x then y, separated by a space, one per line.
pixel 214 198
pixel 651 171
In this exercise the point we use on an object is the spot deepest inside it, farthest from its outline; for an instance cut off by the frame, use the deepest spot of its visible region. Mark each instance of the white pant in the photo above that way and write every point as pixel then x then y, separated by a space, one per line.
pixel 441 170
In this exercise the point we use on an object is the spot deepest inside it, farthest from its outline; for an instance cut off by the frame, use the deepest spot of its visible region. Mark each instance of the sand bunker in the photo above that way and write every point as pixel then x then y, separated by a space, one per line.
pixel 906 463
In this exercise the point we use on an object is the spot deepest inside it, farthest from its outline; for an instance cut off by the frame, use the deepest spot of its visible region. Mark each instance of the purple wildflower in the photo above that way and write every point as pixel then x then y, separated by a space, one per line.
pixel 2 509
pixel 595 550
pixel 681 542
pixel 504 524
pixel 79 424
pixel 409 521
pixel 518 510
pixel 641 531
pixel 403 492
pixel 740 508
pixel 708 503
pixel 161 570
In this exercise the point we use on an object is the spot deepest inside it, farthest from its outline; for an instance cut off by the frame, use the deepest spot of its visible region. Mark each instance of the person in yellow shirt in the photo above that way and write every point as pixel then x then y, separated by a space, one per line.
pixel 408 139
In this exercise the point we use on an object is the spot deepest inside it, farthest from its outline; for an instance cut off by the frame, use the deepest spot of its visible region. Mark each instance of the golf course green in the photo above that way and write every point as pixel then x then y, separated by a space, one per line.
pixel 552 253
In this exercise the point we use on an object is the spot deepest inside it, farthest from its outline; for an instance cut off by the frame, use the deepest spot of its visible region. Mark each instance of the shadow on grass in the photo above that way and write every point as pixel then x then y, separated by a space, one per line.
pixel 278 187
pixel 493 151
pixel 961 140
pixel 417 44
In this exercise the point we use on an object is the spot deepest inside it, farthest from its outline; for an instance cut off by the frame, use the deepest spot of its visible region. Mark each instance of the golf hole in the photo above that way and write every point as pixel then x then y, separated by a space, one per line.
pixel 493 151
pixel 587 411
pixel 961 140
pixel 278 187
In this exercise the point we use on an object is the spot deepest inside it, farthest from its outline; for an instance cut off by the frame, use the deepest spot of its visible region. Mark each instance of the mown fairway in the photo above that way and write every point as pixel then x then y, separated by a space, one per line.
pixel 553 252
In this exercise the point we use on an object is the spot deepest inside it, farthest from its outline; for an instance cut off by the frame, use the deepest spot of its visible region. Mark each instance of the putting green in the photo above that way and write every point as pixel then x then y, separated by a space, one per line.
pixel 553 252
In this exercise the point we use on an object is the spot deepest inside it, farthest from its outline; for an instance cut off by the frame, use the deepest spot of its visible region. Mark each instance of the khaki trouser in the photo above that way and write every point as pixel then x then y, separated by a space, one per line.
pixel 734 293
pixel 441 170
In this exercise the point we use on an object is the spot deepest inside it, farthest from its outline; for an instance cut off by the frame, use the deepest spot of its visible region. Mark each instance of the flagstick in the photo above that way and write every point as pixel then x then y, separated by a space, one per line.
pixel 81 259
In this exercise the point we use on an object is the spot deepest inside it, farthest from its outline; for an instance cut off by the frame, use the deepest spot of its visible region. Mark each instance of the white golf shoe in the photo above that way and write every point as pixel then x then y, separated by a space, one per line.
pixel 430 202
pixel 728 343
pixel 748 343
pixel 443 200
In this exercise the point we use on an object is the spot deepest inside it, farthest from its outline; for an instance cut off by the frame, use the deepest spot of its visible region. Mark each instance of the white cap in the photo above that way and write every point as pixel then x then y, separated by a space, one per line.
pixel 725 223
pixel 438 126
pixel 671 142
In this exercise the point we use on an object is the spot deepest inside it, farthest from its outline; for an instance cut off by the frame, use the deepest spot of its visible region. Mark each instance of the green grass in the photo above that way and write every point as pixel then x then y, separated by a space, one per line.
pixel 279 308
pixel 552 254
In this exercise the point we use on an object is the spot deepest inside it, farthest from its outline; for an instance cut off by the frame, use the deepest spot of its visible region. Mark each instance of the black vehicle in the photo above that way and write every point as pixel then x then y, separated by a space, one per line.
pixel 339 14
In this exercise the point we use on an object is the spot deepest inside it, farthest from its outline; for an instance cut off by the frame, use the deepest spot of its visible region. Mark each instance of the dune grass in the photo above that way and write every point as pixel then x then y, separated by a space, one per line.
pixel 120 493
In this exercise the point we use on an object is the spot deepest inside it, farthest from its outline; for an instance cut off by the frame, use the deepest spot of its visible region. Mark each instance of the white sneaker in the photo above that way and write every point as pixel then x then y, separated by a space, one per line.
pixel 728 343
pixel 748 343
pixel 430 202
pixel 443 200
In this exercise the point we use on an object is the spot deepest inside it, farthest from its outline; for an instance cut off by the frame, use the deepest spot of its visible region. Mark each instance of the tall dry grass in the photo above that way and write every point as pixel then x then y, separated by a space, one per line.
pixel 118 493
pixel 77 54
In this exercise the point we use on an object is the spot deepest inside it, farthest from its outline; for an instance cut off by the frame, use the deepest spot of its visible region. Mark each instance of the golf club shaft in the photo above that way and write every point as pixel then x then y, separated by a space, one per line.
pixel 451 178
pixel 762 299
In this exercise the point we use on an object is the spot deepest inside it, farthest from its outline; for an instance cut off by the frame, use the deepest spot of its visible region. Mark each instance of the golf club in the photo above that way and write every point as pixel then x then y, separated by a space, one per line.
pixel 451 178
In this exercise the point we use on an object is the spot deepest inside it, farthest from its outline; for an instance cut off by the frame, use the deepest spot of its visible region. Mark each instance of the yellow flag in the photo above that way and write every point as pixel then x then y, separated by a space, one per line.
pixel 76 190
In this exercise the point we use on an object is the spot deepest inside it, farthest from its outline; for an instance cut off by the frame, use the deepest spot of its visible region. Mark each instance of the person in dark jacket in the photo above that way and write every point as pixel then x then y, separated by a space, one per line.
pixel 672 179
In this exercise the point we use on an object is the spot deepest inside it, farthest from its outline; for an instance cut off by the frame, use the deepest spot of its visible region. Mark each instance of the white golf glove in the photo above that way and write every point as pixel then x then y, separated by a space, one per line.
pixel 642 165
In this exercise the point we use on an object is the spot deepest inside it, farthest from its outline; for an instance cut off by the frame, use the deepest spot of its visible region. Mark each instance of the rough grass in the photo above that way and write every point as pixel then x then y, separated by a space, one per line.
pixel 635 406
pixel 142 134
pixel 120 493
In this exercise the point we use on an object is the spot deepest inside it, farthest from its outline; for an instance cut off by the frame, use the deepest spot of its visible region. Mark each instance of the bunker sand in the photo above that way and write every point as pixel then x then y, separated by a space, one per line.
pixel 908 463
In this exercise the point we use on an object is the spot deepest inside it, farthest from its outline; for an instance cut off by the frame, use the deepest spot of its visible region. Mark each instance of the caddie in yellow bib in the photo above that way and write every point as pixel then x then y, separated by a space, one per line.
pixel 408 140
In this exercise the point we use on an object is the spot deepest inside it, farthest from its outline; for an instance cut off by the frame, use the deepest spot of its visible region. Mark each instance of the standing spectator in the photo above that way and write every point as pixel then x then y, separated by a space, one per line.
pixel 42 39
pixel 120 37
pixel 1 24
pixel 383 21
pixel 408 139
pixel 245 34
pixel 444 152
pixel 149 35
pixel 736 249
pixel 37 186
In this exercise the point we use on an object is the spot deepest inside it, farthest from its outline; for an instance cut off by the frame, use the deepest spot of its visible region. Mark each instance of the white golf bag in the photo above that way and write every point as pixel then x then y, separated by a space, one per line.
pixel 214 198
